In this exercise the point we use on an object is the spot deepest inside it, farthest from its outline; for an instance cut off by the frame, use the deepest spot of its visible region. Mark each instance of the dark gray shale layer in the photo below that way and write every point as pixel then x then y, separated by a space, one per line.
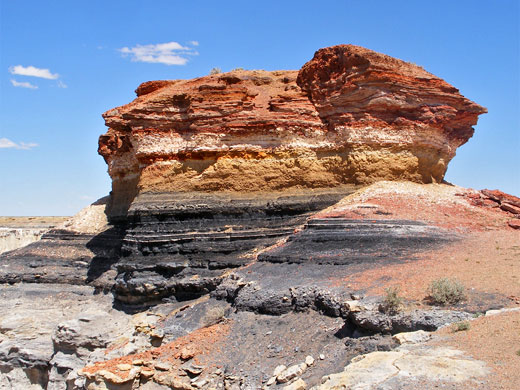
pixel 348 241
pixel 180 245
pixel 64 257
pixel 261 262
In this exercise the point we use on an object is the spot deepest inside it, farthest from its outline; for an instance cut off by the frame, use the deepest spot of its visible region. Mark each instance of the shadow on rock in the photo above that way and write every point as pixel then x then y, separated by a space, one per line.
pixel 106 247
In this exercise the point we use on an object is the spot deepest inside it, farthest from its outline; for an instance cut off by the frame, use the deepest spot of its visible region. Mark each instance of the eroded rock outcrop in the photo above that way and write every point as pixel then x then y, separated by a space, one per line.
pixel 350 115
pixel 207 171
pixel 17 232
pixel 237 239
pixel 79 250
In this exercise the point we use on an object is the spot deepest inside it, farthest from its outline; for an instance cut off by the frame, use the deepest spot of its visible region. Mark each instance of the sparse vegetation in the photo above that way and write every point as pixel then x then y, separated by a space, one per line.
pixel 445 291
pixel 518 352
pixel 215 71
pixel 237 69
pixel 213 316
pixel 392 303
pixel 461 326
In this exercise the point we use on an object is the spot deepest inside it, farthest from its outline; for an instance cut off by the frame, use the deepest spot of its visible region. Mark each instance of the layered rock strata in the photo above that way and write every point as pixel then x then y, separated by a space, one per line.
pixel 236 220
pixel 350 115
pixel 17 232
pixel 350 241
pixel 179 245
pixel 206 170
pixel 248 309
pixel 80 250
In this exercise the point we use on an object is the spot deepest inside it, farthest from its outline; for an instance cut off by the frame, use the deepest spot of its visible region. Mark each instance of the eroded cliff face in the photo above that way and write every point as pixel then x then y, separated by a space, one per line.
pixel 236 220
pixel 349 116
pixel 17 232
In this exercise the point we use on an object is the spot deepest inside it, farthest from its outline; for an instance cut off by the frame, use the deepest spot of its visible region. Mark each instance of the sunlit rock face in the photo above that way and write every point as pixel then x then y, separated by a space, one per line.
pixel 400 121
pixel 349 116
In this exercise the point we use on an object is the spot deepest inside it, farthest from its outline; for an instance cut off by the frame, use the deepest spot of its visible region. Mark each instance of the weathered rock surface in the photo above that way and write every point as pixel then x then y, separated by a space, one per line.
pixel 350 115
pixel 47 331
pixel 261 291
pixel 80 250
pixel 264 306
pixel 17 232
pixel 237 238
pixel 404 367
pixel 416 337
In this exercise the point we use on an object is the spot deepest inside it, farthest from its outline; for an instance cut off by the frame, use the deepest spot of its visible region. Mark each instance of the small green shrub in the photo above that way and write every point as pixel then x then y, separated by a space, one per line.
pixel 392 303
pixel 215 71
pixel 445 290
pixel 460 326
pixel 237 69
pixel 518 352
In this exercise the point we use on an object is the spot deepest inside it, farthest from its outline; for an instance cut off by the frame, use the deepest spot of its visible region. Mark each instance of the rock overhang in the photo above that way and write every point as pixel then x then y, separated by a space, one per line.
pixel 349 116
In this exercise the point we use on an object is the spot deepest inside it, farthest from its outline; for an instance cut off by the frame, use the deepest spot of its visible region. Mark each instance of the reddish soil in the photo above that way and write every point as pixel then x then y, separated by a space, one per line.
pixel 193 346
pixel 494 340
pixel 485 262
pixel 486 259
pixel 462 216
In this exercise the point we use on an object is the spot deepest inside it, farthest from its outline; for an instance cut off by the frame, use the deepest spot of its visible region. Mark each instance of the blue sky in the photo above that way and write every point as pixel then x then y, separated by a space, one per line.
pixel 50 114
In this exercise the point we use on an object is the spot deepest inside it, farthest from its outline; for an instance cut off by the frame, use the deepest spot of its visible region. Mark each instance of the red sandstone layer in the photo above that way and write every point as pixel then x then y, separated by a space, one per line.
pixel 350 116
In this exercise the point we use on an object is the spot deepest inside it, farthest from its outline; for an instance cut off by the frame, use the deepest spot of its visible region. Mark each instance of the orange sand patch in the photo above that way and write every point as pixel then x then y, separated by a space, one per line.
pixel 494 340
pixel 194 345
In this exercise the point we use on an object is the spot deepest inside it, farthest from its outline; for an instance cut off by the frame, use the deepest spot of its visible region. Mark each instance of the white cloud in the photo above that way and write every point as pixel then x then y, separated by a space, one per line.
pixel 6 143
pixel 27 146
pixel 169 53
pixel 61 84
pixel 194 43
pixel 23 84
pixel 33 71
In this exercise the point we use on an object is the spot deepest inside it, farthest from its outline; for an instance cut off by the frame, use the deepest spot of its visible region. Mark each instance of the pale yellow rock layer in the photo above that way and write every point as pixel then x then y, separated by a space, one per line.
pixel 350 116
pixel 373 370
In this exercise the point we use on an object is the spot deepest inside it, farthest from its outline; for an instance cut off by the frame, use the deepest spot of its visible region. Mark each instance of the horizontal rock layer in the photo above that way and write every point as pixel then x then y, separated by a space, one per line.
pixel 65 257
pixel 180 245
pixel 256 270
pixel 348 241
pixel 350 115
